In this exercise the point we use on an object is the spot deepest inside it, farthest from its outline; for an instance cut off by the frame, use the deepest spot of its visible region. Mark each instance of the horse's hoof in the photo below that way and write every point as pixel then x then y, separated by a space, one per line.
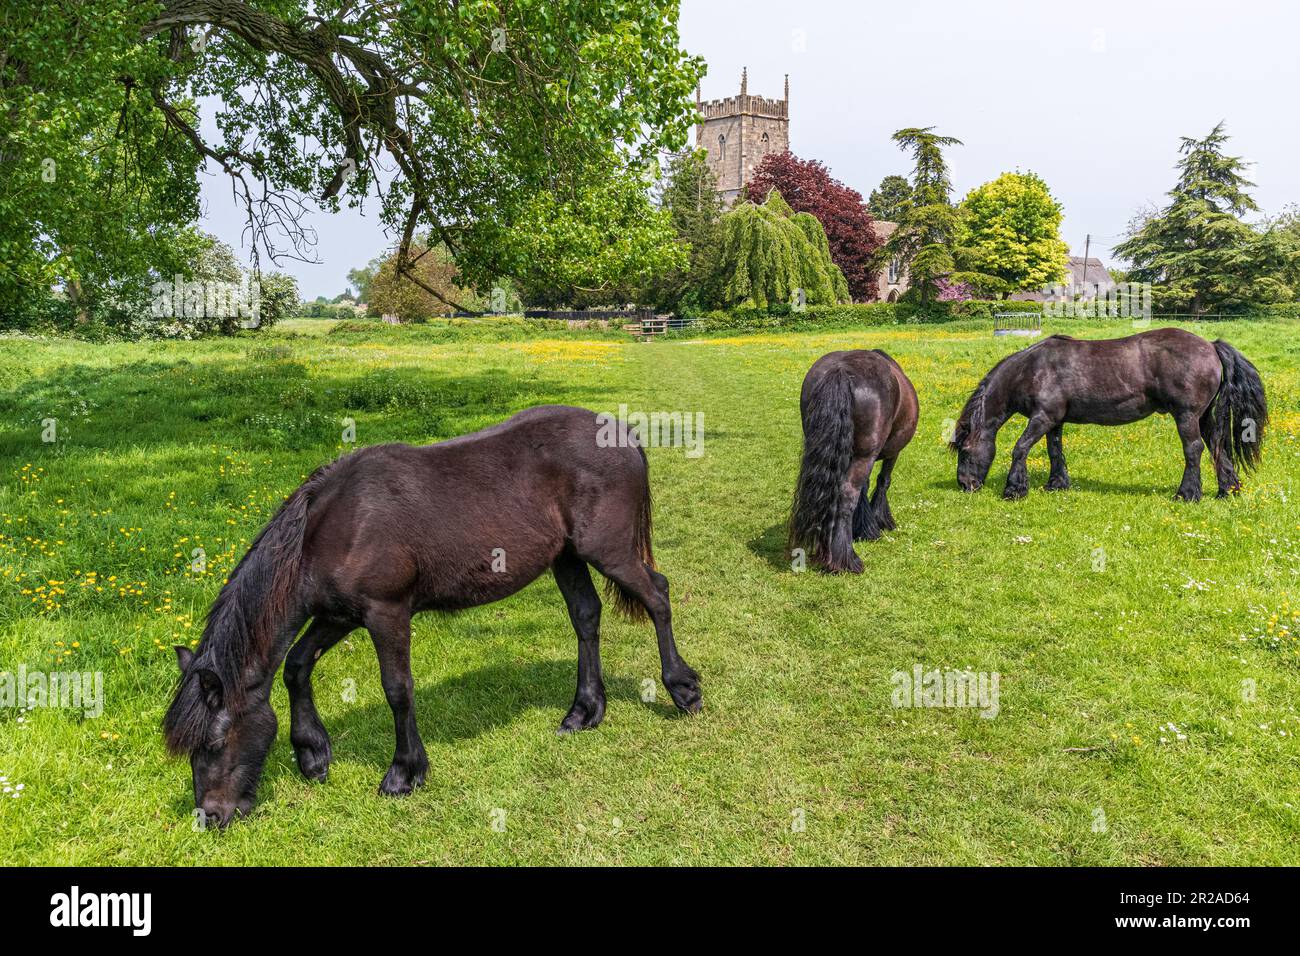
pixel 582 717
pixel 1190 497
pixel 1014 494
pixel 314 761
pixel 399 781
pixel 1057 485
pixel 685 692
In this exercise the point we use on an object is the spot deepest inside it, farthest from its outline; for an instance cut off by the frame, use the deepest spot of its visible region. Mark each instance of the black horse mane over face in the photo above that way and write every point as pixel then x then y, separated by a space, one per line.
pixel 971 416
pixel 254 605
pixel 971 419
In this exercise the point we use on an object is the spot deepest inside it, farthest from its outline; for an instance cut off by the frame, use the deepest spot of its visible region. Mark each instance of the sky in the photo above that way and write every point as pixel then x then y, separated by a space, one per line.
pixel 1092 97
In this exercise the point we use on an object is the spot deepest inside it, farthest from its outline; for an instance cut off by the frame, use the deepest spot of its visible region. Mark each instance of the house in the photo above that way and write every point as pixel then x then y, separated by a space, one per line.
pixel 1085 278
pixel 892 279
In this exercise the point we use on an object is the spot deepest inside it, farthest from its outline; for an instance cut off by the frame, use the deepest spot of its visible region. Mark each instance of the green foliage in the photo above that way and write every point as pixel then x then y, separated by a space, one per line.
pixel 96 191
pixel 1008 236
pixel 891 200
pixel 927 228
pixel 362 276
pixel 854 315
pixel 689 196
pixel 768 254
pixel 437 292
pixel 1197 251
pixel 592 246
pixel 502 120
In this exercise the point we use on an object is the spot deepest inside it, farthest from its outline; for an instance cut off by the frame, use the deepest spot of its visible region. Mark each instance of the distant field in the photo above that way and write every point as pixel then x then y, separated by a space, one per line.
pixel 1109 612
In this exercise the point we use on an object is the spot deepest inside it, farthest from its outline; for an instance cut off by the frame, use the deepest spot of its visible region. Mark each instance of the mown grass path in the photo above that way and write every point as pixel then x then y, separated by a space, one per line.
pixel 1108 612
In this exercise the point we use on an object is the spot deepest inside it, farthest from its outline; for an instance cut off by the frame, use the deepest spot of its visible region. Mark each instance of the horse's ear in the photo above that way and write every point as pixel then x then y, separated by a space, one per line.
pixel 184 657
pixel 213 691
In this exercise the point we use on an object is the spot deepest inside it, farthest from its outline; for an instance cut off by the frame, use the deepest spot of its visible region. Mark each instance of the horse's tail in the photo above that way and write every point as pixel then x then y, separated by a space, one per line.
pixel 257 605
pixel 1240 410
pixel 627 603
pixel 827 453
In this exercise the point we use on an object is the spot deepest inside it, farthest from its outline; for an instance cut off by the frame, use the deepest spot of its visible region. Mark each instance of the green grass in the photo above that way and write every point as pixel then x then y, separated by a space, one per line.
pixel 164 447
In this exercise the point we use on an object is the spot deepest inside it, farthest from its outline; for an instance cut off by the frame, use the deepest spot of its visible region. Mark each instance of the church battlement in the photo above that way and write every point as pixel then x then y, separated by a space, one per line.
pixel 738 131
pixel 746 104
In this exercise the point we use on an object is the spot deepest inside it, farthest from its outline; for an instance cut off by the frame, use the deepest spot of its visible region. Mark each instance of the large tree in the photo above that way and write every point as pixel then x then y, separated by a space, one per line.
pixel 1009 236
pixel 391 292
pixel 808 186
pixel 1198 251
pixel 769 255
pixel 461 119
pixel 688 195
pixel 927 230
pixel 889 200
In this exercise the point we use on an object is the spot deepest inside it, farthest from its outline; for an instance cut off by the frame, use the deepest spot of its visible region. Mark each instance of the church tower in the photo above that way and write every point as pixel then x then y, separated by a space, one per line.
pixel 737 132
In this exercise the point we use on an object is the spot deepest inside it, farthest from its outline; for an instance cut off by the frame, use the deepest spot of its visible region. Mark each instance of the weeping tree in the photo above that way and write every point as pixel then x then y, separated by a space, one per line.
pixel 768 254
pixel 459 119
pixel 808 186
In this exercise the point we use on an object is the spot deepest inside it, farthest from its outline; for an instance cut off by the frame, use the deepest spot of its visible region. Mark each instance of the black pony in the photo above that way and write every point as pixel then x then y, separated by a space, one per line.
pixel 385 532
pixel 1212 391
pixel 858 408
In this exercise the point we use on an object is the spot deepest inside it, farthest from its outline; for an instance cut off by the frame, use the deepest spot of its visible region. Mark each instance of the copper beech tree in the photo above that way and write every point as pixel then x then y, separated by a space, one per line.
pixel 808 186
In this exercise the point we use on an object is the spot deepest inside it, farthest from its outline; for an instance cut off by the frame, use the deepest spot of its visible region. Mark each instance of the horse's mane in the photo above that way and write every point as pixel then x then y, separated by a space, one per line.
pixel 253 605
pixel 972 414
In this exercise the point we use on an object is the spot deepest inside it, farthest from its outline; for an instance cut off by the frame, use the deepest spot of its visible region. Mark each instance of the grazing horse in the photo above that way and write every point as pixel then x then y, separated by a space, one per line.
pixel 858 408
pixel 1212 391
pixel 385 532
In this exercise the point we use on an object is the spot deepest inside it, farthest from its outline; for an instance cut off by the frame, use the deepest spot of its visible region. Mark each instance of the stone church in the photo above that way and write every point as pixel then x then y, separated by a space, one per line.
pixel 737 132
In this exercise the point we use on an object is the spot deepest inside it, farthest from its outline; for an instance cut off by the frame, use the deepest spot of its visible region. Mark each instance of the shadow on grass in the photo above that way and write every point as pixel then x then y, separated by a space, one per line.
pixel 459 708
pixel 1037 483
pixel 772 546
pixel 469 705
pixel 258 404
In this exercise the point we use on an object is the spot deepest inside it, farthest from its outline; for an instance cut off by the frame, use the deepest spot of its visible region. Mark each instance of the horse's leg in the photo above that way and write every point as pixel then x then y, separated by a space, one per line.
pixel 1189 430
pixel 1059 479
pixel 390 628
pixel 851 522
pixel 574 581
pixel 880 497
pixel 311 742
pixel 651 588
pixel 1018 477
pixel 1224 472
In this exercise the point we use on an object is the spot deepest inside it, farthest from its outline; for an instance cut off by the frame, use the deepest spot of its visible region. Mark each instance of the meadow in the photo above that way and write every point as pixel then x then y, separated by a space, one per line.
pixel 1146 649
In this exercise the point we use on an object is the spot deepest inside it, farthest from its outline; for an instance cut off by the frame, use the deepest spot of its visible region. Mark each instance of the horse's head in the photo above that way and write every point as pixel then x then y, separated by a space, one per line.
pixel 974 449
pixel 227 739
pixel 973 462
